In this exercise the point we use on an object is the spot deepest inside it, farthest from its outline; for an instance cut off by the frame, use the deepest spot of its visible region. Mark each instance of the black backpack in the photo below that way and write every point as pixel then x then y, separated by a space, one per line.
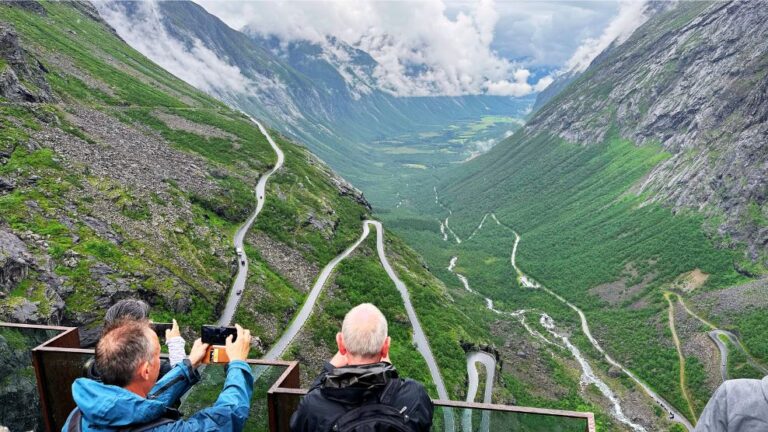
pixel 377 415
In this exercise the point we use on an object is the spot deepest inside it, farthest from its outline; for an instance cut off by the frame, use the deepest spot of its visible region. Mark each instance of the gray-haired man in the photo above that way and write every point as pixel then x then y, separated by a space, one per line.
pixel 359 389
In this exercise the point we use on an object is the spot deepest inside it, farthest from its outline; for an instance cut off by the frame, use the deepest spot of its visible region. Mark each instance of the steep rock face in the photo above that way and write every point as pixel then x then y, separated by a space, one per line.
pixel 14 261
pixel 23 77
pixel 695 80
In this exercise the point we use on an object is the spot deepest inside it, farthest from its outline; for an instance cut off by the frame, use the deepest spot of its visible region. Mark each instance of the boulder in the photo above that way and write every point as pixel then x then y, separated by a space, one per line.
pixel 26 312
pixel 6 185
pixel 15 261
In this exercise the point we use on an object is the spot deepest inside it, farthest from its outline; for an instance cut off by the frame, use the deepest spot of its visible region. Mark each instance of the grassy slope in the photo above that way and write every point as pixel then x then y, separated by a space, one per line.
pixel 139 90
pixel 580 227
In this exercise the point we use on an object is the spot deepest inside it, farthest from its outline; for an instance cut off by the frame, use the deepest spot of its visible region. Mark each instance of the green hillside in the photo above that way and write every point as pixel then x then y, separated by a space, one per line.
pixel 119 180
pixel 593 233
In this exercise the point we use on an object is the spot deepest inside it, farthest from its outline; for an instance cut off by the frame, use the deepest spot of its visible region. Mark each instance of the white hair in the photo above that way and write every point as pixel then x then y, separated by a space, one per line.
pixel 364 330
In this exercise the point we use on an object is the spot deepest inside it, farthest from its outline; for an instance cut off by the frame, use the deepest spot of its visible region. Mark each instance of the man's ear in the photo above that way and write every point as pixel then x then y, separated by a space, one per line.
pixel 340 343
pixel 385 347
pixel 144 370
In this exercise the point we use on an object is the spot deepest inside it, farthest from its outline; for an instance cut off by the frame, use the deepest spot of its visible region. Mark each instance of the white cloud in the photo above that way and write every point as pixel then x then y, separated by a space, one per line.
pixel 421 47
pixel 631 15
pixel 519 86
pixel 195 64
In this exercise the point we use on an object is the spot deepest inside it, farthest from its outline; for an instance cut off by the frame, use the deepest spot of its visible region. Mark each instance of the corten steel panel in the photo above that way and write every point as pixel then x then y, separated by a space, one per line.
pixel 282 405
pixel 57 369
pixel 38 381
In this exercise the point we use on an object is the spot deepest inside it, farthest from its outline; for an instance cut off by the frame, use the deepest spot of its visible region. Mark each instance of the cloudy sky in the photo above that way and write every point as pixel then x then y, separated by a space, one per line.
pixel 450 47
pixel 422 48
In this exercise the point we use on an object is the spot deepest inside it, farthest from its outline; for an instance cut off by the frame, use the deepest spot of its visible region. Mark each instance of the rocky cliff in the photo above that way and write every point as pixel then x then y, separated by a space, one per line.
pixel 695 80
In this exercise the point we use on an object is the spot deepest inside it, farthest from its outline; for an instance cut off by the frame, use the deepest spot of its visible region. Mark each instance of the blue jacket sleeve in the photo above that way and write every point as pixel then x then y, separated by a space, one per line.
pixel 174 384
pixel 231 409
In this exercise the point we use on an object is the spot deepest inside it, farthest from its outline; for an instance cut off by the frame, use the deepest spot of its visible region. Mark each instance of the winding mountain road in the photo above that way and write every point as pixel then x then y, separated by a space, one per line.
pixel 714 333
pixel 472 360
pixel 279 347
pixel 723 348
pixel 588 375
pixel 235 294
pixel 526 281
pixel 419 338
pixel 680 354
pixel 489 362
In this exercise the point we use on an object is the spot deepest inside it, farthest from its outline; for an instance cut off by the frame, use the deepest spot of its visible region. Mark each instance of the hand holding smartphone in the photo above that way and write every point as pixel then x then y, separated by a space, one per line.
pixel 216 337
pixel 160 329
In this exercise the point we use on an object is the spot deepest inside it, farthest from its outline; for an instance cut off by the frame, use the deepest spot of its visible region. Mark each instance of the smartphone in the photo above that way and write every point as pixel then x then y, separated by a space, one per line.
pixel 216 335
pixel 160 329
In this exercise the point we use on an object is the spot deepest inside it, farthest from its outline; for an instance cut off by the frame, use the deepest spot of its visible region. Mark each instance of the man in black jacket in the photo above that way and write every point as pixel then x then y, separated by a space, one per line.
pixel 359 389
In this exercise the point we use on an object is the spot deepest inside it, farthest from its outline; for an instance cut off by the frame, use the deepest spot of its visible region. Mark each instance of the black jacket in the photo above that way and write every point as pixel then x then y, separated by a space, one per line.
pixel 329 398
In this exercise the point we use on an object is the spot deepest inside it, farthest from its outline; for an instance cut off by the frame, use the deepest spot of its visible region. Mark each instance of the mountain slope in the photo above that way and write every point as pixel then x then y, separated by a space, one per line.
pixel 331 105
pixel 119 180
pixel 642 176
pixel 698 89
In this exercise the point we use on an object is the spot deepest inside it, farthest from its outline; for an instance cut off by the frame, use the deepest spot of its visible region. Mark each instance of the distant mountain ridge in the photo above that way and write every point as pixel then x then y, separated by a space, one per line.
pixel 308 92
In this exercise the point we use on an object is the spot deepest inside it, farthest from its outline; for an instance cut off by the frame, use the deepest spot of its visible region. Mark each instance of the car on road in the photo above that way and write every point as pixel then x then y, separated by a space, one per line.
pixel 242 262
pixel 239 292
pixel 239 251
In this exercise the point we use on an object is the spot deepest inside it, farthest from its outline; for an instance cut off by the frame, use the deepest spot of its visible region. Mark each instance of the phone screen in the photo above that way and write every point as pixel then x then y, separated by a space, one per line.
pixel 215 335
pixel 160 328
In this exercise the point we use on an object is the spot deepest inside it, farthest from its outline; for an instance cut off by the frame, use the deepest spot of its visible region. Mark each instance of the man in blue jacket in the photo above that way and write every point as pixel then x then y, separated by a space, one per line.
pixel 129 396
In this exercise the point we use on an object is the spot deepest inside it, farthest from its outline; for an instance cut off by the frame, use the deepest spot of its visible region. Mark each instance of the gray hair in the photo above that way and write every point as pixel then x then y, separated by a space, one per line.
pixel 134 309
pixel 364 330
pixel 121 349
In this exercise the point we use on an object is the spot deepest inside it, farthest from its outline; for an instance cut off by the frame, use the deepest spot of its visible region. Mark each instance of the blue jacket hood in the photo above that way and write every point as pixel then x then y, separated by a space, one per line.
pixel 105 405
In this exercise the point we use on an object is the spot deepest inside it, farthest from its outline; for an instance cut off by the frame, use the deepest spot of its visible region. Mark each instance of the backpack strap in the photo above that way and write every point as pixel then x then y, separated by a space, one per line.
pixel 389 391
pixel 74 420
pixel 384 398
pixel 76 416
pixel 148 426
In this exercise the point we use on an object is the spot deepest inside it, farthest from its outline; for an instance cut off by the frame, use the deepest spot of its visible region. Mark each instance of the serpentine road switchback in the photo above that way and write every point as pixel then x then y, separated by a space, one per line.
pixel 588 375
pixel 277 349
pixel 490 371
pixel 419 338
pixel 242 261
pixel 715 334
pixel 530 283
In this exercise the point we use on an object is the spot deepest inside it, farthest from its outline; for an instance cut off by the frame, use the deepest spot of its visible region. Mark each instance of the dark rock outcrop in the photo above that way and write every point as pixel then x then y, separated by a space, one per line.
pixel 30 5
pixel 15 261
pixel 18 392
pixel 6 185
pixel 23 78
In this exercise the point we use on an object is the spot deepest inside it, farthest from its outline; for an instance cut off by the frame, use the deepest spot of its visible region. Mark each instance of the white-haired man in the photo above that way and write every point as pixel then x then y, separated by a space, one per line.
pixel 359 389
